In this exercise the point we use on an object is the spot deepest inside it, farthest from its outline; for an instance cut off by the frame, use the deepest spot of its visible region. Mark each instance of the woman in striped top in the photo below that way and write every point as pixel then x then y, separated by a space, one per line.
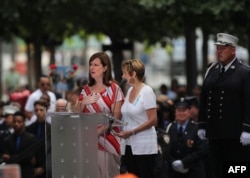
pixel 103 95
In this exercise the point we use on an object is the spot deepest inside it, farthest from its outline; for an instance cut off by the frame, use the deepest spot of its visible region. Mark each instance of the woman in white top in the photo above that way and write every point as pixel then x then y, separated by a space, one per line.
pixel 139 139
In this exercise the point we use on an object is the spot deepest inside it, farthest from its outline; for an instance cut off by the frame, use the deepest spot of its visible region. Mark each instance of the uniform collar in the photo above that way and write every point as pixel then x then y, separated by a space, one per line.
pixel 228 65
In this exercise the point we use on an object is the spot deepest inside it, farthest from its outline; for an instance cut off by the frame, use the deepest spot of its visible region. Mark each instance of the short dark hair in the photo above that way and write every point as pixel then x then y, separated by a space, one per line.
pixel 2 103
pixel 40 102
pixel 21 114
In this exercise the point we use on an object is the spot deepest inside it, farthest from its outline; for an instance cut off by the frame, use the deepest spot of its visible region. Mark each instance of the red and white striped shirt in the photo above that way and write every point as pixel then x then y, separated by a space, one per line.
pixel 108 96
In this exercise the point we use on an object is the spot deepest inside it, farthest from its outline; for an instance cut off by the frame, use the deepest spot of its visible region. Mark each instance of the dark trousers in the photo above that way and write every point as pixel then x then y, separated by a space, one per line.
pixel 227 152
pixel 140 165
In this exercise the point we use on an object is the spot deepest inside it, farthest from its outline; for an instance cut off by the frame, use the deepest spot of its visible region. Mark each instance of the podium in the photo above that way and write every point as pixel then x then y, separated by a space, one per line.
pixel 10 171
pixel 74 144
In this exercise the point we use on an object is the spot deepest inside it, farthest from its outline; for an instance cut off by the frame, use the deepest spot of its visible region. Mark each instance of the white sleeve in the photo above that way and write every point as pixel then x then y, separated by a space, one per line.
pixel 52 107
pixel 29 106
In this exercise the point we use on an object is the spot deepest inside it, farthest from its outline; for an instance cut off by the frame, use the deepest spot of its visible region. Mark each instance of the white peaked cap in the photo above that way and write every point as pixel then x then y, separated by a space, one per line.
pixel 226 39
pixel 10 109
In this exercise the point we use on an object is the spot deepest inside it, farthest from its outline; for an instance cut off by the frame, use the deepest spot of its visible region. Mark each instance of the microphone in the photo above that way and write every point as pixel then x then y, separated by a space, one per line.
pixel 111 119
pixel 123 81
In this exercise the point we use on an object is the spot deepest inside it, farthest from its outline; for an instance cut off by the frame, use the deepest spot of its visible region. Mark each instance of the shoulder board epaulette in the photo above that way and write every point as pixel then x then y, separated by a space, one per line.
pixel 209 64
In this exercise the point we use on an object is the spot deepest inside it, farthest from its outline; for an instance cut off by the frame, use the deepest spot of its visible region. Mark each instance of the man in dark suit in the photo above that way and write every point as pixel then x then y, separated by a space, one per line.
pixel 6 127
pixel 185 150
pixel 18 147
pixel 224 113
pixel 39 128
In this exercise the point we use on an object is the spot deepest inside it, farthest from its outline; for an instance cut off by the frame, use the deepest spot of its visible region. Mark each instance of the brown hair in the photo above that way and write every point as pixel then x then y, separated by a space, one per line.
pixel 105 60
pixel 41 103
pixel 135 65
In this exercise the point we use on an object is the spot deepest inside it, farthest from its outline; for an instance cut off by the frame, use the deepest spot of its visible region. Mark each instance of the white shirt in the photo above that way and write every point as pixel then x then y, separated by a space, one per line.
pixel 134 114
pixel 36 95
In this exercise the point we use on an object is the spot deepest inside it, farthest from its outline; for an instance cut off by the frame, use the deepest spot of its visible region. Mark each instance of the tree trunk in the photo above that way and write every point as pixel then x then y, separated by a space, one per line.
pixel 52 54
pixel 191 65
pixel 204 51
pixel 1 72
pixel 117 48
pixel 30 68
pixel 37 60
pixel 117 59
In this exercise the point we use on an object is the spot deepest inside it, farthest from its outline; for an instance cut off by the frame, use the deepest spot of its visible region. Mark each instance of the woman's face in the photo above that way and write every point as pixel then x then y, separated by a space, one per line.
pixel 126 75
pixel 96 69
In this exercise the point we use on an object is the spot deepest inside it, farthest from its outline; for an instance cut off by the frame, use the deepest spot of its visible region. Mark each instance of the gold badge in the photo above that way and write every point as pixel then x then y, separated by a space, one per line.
pixel 190 143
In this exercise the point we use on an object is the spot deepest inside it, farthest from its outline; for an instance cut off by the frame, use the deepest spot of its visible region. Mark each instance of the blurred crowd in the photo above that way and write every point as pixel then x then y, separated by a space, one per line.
pixel 33 106
pixel 169 133
pixel 23 119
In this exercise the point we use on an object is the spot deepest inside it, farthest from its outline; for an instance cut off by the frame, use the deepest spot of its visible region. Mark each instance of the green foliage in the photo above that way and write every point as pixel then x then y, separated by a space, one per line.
pixel 48 22
pixel 156 3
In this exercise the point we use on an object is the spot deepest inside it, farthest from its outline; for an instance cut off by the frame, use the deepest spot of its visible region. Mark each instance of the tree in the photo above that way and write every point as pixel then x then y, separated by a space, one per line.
pixel 45 23
pixel 211 16
pixel 124 22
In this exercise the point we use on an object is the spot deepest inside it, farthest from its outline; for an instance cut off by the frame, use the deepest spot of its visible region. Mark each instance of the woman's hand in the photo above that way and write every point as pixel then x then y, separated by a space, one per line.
pixel 90 99
pixel 125 134
pixel 86 100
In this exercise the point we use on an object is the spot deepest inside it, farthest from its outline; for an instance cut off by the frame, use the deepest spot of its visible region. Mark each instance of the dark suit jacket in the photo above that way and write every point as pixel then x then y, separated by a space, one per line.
pixel 188 148
pixel 44 150
pixel 225 102
pixel 4 132
pixel 21 156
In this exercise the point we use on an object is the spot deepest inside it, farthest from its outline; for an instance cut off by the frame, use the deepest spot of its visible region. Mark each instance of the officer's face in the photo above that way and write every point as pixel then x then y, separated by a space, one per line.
pixel 225 54
pixel 182 114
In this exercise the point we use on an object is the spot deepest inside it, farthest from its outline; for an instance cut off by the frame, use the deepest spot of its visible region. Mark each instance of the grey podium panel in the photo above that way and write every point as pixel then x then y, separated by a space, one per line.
pixel 74 147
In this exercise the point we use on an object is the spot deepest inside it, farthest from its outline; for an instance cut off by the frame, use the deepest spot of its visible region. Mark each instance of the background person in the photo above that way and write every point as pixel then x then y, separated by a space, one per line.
pixel 16 145
pixel 139 139
pixel 194 107
pixel 6 127
pixel 44 97
pixel 44 86
pixel 61 105
pixel 224 113
pixel 11 79
pixel 39 129
pixel 185 151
